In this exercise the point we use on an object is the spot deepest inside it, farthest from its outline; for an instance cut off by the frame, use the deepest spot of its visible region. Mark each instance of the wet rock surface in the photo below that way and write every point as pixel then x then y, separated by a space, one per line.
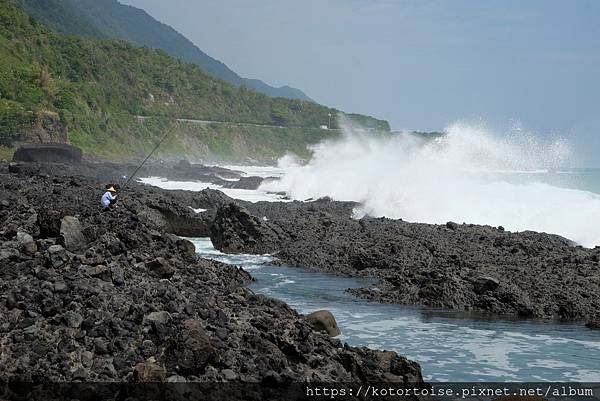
pixel 456 266
pixel 235 230
pixel 135 304
pixel 594 322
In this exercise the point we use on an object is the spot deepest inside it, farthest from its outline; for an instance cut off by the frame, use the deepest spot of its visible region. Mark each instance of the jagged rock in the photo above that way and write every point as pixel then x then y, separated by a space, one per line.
pixel 190 351
pixel 117 274
pixel 101 346
pixel 187 247
pixel 8 254
pixel 146 372
pixel 11 301
pixel 57 255
pixel 594 322
pixel 235 230
pixel 176 379
pixel 161 267
pixel 15 168
pixel 49 221
pixel 229 374
pixel 183 164
pixel 452 225
pixel 26 243
pixel 72 234
pixel 323 320
pixel 100 271
pixel 162 317
pixel 73 319
pixel 60 287
pixel 461 267
pixel 210 199
pixel 483 284
pixel 245 183
pixel 66 317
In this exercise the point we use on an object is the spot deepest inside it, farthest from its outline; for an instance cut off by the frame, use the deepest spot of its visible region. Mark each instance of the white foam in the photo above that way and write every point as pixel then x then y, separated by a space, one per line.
pixel 243 194
pixel 464 176
pixel 258 171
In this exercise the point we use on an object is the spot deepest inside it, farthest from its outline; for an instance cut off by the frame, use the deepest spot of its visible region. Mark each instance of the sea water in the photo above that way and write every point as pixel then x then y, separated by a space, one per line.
pixel 470 175
pixel 449 346
pixel 487 182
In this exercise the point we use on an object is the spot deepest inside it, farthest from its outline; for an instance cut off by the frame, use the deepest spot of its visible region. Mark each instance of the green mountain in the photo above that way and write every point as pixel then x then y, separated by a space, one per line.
pixel 92 92
pixel 108 19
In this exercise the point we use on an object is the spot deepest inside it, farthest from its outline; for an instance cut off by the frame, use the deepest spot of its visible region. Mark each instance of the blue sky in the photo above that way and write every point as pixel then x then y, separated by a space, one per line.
pixel 419 64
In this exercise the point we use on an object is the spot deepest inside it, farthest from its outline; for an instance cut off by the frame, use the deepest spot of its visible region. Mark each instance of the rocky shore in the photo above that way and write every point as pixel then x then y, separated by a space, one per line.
pixel 456 266
pixel 117 296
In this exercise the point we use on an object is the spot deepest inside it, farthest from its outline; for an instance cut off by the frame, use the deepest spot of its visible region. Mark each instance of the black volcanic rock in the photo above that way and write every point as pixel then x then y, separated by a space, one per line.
pixel 48 152
pixel 323 320
pixel 463 267
pixel 135 306
pixel 234 230
pixel 594 322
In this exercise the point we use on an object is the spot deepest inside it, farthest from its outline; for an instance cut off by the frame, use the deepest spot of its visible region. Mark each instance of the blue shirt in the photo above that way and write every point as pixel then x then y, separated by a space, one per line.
pixel 106 198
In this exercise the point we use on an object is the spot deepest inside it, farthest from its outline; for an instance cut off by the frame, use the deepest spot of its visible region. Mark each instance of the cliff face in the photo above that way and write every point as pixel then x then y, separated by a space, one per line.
pixel 47 127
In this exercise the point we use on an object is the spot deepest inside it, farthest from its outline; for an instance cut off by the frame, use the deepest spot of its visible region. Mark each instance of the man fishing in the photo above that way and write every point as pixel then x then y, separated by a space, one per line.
pixel 109 199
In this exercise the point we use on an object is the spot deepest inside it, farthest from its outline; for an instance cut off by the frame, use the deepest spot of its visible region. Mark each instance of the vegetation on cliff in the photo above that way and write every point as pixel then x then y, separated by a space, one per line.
pixel 98 87
pixel 109 19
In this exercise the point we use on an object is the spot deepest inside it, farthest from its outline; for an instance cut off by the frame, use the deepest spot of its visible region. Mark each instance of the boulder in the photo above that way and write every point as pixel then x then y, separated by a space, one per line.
pixel 117 274
pixel 8 254
pixel 72 233
pixel 57 255
pixel 161 267
pixel 162 317
pixel 323 320
pixel 187 247
pixel 452 225
pixel 245 183
pixel 190 350
pixel 60 287
pixel 148 372
pixel 484 284
pixel 26 243
pixel 593 323
pixel 14 168
pixel 49 221
pixel 229 374
pixel 99 271
pixel 210 199
pixel 235 230
pixel 72 319
pixel 183 164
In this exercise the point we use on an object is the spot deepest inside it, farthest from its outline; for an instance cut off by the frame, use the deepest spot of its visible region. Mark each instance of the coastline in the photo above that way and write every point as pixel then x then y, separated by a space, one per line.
pixel 321 235
pixel 102 297
pixel 455 266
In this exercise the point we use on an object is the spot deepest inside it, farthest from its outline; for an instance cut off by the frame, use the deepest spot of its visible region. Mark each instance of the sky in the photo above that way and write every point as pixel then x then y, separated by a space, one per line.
pixel 420 64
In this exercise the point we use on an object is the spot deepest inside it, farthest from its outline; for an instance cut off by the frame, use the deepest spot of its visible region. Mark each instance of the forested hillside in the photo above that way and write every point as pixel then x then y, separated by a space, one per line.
pixel 94 89
pixel 109 19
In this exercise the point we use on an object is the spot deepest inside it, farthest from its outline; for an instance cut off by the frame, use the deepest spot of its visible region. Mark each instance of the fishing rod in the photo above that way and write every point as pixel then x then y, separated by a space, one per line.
pixel 150 154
